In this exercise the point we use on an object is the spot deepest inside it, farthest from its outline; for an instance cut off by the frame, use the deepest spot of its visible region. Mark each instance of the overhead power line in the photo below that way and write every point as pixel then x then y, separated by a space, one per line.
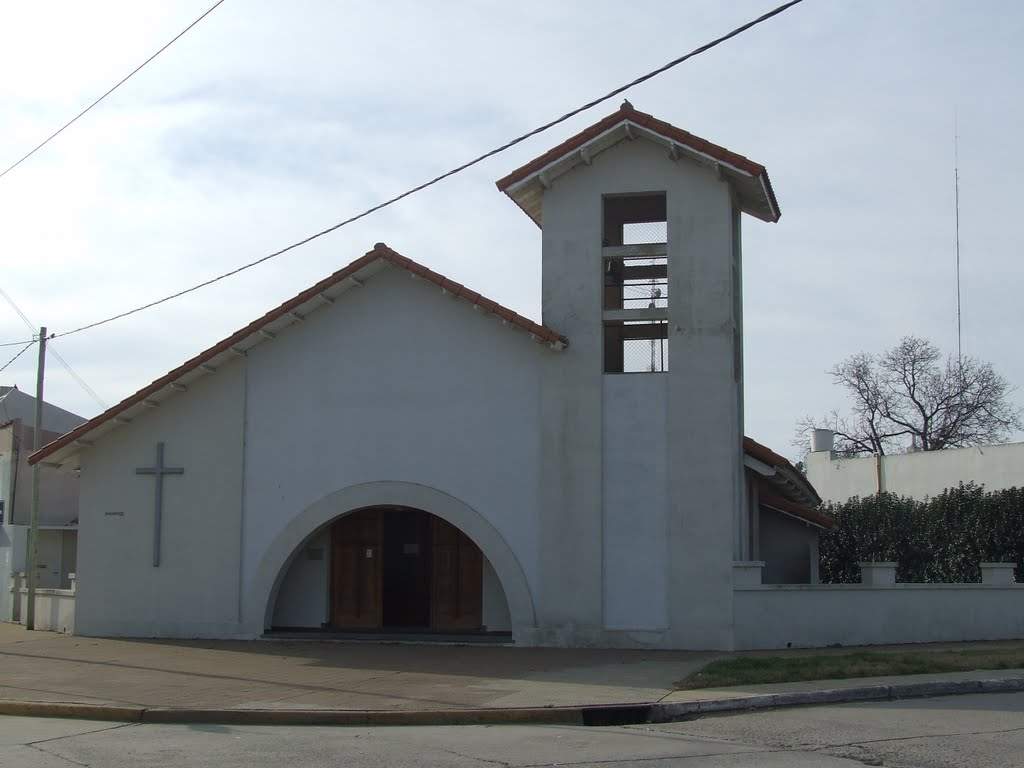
pixel 74 375
pixel 24 318
pixel 16 343
pixel 458 169
pixel 109 91
pixel 20 353
pixel 50 349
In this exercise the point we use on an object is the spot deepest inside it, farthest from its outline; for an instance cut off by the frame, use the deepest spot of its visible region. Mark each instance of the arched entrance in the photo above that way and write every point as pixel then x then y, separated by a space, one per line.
pixel 504 574
pixel 403 569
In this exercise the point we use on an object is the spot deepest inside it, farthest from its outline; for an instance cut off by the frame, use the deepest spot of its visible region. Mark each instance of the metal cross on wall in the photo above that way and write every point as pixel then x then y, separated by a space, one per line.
pixel 158 471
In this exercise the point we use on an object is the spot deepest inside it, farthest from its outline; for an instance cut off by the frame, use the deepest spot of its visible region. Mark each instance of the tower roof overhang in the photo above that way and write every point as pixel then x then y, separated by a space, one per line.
pixel 753 188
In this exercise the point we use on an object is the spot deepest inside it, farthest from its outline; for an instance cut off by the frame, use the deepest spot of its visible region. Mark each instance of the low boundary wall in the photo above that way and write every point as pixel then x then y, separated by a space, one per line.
pixel 818 615
pixel 55 608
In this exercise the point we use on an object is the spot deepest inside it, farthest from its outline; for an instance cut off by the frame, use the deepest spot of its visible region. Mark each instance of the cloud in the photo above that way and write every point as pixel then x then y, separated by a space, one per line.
pixel 268 122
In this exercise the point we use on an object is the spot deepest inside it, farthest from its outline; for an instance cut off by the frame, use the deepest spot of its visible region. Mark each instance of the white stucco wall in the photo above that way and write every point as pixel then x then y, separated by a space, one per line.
pixel 702 417
pixel 303 599
pixel 635 502
pixel 394 383
pixel 854 614
pixel 195 590
pixel 926 473
pixel 611 502
pixel 496 617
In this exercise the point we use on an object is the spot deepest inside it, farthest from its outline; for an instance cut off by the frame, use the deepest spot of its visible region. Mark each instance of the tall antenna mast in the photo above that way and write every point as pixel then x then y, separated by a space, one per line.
pixel 956 205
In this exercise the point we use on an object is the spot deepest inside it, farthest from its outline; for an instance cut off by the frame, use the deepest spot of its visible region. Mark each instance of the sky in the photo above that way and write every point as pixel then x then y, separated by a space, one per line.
pixel 270 121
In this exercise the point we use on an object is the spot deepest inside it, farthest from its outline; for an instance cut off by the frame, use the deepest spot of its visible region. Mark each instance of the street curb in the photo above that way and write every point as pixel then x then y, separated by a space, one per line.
pixel 71 710
pixel 600 715
pixel 663 713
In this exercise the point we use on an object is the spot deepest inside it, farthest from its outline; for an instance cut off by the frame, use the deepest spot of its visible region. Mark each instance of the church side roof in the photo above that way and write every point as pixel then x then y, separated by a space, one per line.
pixel 774 501
pixel 266 327
pixel 526 184
pixel 784 487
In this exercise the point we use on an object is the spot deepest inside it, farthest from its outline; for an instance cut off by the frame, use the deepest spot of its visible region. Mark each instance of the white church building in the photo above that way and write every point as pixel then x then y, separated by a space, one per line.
pixel 443 464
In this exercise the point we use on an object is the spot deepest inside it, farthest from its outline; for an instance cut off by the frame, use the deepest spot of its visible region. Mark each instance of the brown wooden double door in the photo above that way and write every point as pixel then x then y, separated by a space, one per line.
pixel 401 568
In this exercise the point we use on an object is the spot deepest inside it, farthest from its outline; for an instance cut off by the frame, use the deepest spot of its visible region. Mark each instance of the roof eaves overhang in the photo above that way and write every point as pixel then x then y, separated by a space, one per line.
pixel 205 364
pixel 807 519
pixel 66 448
pixel 768 499
pixel 750 180
pixel 783 475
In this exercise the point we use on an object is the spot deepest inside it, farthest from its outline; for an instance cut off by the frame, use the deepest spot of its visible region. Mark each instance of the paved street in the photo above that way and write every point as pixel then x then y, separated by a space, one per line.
pixel 983 730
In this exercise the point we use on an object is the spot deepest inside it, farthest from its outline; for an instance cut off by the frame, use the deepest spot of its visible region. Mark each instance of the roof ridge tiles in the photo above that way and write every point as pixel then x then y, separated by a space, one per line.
pixel 715 152
pixel 379 251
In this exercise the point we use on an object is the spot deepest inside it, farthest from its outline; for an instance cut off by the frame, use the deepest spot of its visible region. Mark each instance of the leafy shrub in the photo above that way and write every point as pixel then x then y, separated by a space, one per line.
pixel 941 539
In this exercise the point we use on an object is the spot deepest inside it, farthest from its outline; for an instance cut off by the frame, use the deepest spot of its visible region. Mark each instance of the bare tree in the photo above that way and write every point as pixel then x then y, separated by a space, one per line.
pixel 910 394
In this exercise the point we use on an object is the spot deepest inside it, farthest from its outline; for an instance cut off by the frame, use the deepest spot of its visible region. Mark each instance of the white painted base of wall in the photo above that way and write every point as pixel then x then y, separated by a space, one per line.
pixel 55 609
pixel 819 615
pixel 147 630
pixel 577 636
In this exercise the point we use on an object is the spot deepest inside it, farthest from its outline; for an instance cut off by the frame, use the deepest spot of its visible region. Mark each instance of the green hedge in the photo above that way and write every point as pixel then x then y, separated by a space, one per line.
pixel 942 539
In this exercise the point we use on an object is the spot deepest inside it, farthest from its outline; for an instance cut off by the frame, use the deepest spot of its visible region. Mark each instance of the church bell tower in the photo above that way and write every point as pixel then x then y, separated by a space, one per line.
pixel 642 457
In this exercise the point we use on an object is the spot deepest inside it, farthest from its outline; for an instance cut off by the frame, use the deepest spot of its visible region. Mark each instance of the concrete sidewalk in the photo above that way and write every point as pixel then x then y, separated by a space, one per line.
pixel 354 683
pixel 42 666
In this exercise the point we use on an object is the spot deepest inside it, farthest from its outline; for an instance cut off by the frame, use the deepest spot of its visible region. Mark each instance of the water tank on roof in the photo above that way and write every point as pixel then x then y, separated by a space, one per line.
pixel 822 440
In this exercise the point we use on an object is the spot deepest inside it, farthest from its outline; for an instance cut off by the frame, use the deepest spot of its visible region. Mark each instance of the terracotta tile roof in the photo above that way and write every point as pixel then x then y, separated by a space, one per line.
pixel 763 453
pixel 628 112
pixel 768 498
pixel 380 252
pixel 767 456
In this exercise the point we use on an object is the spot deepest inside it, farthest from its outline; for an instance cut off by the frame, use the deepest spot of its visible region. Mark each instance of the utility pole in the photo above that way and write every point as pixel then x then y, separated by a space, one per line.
pixel 956 226
pixel 33 525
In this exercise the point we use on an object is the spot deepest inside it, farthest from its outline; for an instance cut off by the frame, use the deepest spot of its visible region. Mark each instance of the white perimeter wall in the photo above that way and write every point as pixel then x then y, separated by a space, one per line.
pixel 395 382
pixel 927 473
pixel 635 498
pixel 854 614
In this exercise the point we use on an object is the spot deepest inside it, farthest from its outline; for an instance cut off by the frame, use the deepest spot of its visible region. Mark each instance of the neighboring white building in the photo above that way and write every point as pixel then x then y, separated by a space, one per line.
pixel 918 474
pixel 58 497
pixel 389 450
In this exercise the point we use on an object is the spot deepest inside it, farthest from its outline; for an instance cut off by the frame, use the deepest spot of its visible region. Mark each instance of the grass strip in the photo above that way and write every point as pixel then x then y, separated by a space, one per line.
pixel 761 670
